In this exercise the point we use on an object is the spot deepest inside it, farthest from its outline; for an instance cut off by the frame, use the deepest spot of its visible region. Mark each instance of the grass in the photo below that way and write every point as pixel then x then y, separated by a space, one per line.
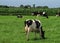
pixel 12 29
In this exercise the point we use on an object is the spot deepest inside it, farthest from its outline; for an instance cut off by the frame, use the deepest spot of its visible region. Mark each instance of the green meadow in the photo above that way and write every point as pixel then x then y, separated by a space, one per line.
pixel 12 29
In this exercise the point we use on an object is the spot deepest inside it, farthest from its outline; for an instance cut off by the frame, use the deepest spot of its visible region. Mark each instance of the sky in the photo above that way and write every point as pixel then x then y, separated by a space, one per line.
pixel 49 3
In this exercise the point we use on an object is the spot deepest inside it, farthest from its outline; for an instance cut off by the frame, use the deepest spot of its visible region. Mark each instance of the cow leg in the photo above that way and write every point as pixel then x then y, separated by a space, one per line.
pixel 40 32
pixel 28 31
pixel 35 36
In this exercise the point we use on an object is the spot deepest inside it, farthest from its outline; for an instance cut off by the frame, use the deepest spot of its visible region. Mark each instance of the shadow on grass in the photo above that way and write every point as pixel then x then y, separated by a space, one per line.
pixel 38 39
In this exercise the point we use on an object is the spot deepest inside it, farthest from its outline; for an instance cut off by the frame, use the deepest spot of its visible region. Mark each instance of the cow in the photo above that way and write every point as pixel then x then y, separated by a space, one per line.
pixel 40 13
pixel 58 14
pixel 19 16
pixel 33 26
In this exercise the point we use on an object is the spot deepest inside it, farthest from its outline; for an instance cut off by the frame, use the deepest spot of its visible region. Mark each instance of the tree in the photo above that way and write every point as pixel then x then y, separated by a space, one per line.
pixel 22 6
pixel 42 7
pixel 33 5
pixel 39 7
pixel 4 6
pixel 27 6
pixel 45 6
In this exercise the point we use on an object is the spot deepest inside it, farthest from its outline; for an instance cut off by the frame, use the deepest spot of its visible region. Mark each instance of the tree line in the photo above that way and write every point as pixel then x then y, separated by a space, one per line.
pixel 24 6
pixel 26 10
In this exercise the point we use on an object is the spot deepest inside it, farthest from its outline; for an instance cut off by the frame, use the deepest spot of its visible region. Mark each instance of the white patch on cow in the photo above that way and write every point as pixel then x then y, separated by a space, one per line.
pixel 33 26
pixel 57 15
pixel 38 21
pixel 27 19
pixel 43 13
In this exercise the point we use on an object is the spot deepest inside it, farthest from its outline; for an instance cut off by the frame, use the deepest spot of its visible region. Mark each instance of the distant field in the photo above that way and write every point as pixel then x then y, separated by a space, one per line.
pixel 12 29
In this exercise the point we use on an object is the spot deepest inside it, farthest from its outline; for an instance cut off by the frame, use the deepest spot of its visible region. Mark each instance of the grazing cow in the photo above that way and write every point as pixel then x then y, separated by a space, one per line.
pixel 58 14
pixel 19 16
pixel 33 26
pixel 40 13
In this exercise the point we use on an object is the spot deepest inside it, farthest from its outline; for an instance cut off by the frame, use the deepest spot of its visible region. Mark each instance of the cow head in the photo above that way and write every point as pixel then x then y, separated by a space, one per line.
pixel 28 22
pixel 45 14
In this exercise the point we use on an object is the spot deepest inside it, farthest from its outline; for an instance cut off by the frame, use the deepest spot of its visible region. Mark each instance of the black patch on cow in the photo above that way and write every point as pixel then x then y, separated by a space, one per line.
pixel 45 15
pixel 40 13
pixel 37 24
pixel 35 13
pixel 42 33
pixel 29 22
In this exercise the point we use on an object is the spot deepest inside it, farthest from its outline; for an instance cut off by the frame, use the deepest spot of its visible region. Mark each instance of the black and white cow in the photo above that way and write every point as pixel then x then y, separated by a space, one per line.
pixel 40 13
pixel 58 14
pixel 19 16
pixel 33 26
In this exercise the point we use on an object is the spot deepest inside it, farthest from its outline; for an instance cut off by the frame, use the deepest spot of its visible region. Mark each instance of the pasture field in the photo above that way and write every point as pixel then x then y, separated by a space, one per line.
pixel 12 30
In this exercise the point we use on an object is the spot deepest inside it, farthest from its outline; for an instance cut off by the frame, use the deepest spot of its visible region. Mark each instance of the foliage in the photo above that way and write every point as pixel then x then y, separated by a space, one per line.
pixel 27 10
